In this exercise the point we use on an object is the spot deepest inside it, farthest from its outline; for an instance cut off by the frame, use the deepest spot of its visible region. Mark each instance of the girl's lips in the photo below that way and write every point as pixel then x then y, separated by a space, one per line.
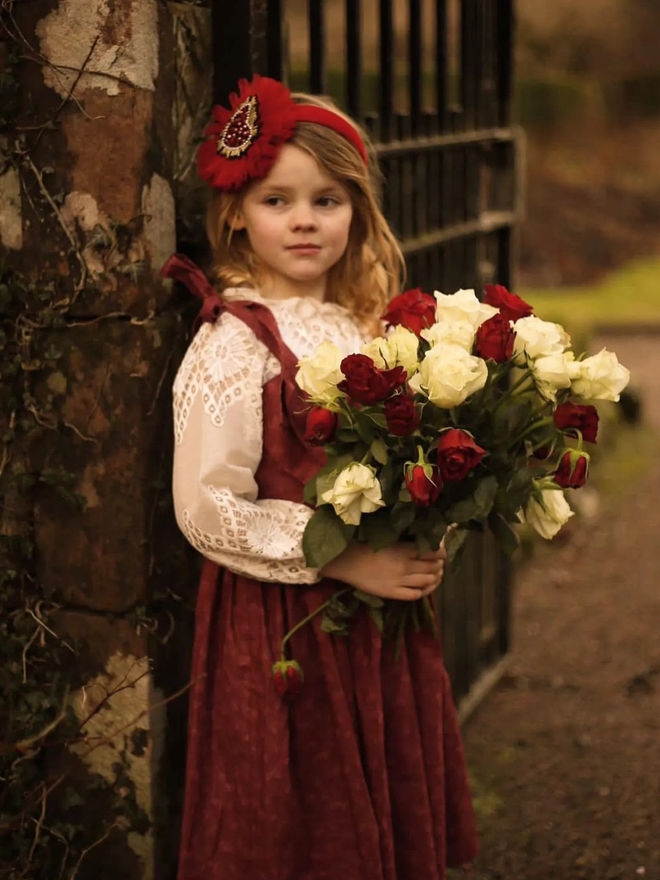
pixel 305 248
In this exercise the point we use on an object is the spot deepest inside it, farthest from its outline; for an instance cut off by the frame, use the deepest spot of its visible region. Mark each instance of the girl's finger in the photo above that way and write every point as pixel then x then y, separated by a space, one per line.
pixel 419 581
pixel 405 594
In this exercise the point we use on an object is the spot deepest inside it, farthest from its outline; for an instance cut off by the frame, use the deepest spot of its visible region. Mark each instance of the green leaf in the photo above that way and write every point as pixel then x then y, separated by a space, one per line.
pixel 478 505
pixel 437 529
pixel 368 599
pixel 365 428
pixel 379 450
pixel 325 537
pixel 422 544
pixel 485 496
pixel 309 492
pixel 512 496
pixel 506 536
pixel 454 542
pixel 334 627
pixel 403 515
pixel 377 617
pixel 378 531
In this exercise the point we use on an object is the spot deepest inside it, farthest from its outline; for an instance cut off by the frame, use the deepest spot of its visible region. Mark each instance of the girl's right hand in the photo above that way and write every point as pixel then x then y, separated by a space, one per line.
pixel 393 573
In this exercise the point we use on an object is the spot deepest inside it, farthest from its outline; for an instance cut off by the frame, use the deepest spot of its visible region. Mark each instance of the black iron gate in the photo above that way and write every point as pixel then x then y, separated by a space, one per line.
pixel 432 81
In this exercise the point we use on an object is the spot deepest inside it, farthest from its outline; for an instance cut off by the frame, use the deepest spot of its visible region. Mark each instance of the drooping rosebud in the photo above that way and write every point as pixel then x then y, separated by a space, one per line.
pixel 423 490
pixel 365 383
pixel 424 482
pixel 412 309
pixel 511 306
pixel 458 454
pixel 574 417
pixel 287 678
pixel 573 469
pixel 401 414
pixel 321 425
pixel 495 339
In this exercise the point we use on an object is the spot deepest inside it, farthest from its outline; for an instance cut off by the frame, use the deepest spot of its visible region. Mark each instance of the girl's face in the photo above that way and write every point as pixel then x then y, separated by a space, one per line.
pixel 297 220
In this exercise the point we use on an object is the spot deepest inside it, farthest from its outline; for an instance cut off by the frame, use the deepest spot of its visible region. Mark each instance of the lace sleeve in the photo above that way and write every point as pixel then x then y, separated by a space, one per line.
pixel 219 435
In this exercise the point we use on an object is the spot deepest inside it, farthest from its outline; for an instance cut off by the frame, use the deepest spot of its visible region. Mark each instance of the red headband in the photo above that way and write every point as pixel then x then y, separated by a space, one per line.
pixel 242 143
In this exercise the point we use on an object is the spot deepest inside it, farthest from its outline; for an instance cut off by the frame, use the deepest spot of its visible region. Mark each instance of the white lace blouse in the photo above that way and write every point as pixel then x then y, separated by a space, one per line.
pixel 218 430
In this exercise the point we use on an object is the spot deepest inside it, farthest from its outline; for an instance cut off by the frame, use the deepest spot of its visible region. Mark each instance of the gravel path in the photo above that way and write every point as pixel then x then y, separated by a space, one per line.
pixel 566 752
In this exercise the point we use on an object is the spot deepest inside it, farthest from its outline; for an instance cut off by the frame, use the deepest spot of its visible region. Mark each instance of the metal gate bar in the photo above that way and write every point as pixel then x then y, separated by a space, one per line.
pixel 450 195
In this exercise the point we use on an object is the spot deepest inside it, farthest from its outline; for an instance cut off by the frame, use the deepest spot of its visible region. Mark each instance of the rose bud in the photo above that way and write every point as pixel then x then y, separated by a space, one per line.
pixel 494 340
pixel 413 309
pixel 574 417
pixel 424 483
pixel 365 383
pixel 401 414
pixel 321 426
pixel 573 469
pixel 287 678
pixel 457 454
pixel 511 307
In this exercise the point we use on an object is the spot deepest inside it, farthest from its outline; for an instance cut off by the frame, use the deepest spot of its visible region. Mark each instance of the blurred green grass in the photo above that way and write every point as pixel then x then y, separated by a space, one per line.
pixel 630 296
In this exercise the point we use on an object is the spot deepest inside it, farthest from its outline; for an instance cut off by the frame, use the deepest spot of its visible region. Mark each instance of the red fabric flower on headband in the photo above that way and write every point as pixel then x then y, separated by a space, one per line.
pixel 242 143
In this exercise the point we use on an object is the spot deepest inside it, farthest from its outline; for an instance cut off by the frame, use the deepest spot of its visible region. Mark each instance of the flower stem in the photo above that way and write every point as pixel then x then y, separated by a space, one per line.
pixel 548 420
pixel 511 391
pixel 311 616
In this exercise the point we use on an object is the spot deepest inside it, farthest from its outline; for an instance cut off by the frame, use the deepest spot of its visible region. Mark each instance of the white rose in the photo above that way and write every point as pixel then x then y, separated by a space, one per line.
pixel 399 349
pixel 538 338
pixel 319 373
pixel 554 371
pixel 452 333
pixel 601 377
pixel 356 491
pixel 548 515
pixel 464 305
pixel 449 374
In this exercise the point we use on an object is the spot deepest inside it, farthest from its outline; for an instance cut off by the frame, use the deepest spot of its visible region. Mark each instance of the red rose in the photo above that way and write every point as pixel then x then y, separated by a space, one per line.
pixel 573 469
pixel 401 414
pixel 495 339
pixel 321 425
pixel 458 454
pixel 511 306
pixel 287 678
pixel 424 490
pixel 573 417
pixel 414 310
pixel 365 383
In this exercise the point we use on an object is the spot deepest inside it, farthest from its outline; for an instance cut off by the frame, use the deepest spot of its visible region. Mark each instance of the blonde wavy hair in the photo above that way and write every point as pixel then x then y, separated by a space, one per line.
pixel 372 268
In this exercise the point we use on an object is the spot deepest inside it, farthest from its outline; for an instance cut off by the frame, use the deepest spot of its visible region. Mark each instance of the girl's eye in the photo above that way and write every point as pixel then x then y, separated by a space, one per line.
pixel 328 201
pixel 274 201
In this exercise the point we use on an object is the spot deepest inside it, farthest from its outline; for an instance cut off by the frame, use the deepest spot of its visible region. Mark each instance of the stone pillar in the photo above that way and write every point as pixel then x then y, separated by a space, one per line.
pixel 87 217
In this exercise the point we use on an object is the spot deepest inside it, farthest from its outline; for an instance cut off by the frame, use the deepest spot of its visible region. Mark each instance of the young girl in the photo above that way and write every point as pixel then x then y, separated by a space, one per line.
pixel 362 777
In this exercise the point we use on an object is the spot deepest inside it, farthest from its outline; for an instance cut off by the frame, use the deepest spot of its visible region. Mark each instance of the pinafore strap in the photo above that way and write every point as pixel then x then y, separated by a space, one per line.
pixel 286 436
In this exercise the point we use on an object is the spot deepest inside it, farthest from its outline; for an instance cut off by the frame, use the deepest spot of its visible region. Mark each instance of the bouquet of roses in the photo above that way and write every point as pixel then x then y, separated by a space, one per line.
pixel 466 415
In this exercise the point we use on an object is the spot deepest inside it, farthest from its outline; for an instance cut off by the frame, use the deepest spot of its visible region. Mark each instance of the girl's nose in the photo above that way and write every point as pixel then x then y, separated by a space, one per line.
pixel 303 217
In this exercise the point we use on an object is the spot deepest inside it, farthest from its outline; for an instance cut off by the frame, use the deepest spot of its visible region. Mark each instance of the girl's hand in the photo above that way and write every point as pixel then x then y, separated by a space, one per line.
pixel 393 573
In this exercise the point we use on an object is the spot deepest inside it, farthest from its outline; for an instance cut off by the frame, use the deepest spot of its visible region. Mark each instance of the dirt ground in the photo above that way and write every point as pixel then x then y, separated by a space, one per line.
pixel 565 754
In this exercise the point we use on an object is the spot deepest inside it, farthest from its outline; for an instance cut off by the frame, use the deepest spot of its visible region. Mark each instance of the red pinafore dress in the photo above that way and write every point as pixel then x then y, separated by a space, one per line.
pixel 363 776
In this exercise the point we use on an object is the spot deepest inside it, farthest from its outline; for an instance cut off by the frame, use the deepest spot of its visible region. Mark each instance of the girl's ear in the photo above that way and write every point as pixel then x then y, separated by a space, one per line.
pixel 237 222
